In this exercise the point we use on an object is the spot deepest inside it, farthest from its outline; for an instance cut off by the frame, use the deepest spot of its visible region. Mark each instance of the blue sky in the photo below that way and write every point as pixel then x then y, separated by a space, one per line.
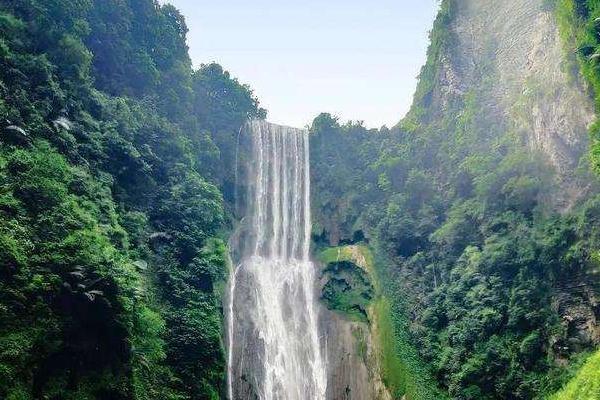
pixel 355 59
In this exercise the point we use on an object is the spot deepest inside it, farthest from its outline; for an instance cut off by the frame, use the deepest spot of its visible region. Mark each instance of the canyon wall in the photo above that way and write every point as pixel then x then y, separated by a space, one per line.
pixel 513 50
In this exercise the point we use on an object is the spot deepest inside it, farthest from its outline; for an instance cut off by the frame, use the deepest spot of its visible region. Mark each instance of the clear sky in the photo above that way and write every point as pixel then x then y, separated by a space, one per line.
pixel 355 59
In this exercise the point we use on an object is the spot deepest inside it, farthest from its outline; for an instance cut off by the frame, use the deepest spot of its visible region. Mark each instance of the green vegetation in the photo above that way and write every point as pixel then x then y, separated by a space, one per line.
pixel 360 254
pixel 347 290
pixel 395 373
pixel 440 41
pixel 349 283
pixel 585 385
pixel 116 191
pixel 403 371
pixel 115 186
pixel 580 32
pixel 474 260
pixel 479 271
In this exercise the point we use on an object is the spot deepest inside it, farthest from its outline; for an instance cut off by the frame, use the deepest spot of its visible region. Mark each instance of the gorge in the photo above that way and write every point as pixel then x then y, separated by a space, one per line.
pixel 160 240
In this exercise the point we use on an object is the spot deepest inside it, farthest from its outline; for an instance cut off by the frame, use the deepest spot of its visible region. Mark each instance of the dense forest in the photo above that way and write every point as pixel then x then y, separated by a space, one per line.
pixel 115 192
pixel 117 198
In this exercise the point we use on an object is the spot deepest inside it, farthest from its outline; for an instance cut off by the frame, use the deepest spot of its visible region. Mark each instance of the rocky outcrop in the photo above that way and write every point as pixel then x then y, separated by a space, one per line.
pixel 512 49
pixel 353 363
pixel 578 303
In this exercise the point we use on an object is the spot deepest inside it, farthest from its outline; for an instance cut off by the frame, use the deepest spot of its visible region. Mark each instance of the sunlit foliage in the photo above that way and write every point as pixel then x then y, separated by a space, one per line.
pixel 111 204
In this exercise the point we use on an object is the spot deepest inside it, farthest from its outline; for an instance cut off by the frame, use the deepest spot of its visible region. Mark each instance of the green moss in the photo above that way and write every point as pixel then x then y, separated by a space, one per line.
pixel 335 254
pixel 347 289
pixel 394 371
pixel 586 383
pixel 402 370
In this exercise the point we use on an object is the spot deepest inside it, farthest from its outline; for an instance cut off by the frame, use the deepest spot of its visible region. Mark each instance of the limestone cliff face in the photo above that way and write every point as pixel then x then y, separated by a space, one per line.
pixel 513 49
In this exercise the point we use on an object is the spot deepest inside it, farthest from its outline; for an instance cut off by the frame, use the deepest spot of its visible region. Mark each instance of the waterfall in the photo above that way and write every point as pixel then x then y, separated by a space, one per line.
pixel 273 333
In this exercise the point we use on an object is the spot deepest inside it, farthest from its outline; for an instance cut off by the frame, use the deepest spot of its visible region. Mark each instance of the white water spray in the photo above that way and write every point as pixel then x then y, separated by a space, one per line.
pixel 273 333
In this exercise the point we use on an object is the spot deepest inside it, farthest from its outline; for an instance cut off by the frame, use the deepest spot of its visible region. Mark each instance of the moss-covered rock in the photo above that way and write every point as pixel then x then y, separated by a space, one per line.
pixel 347 289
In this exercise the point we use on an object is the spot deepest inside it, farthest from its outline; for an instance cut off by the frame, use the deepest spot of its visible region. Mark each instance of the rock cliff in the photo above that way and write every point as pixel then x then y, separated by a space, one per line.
pixel 513 50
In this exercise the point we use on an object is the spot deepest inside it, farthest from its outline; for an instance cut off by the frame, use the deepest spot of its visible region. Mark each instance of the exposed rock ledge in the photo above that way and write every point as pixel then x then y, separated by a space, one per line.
pixel 354 371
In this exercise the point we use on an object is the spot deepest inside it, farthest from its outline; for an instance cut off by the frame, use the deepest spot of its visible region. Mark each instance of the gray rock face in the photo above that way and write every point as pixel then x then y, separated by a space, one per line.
pixel 513 49
pixel 578 302
pixel 352 364
pixel 353 358
pixel 347 374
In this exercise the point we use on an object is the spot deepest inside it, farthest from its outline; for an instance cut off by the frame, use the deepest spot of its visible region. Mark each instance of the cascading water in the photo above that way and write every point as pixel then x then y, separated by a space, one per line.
pixel 273 333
